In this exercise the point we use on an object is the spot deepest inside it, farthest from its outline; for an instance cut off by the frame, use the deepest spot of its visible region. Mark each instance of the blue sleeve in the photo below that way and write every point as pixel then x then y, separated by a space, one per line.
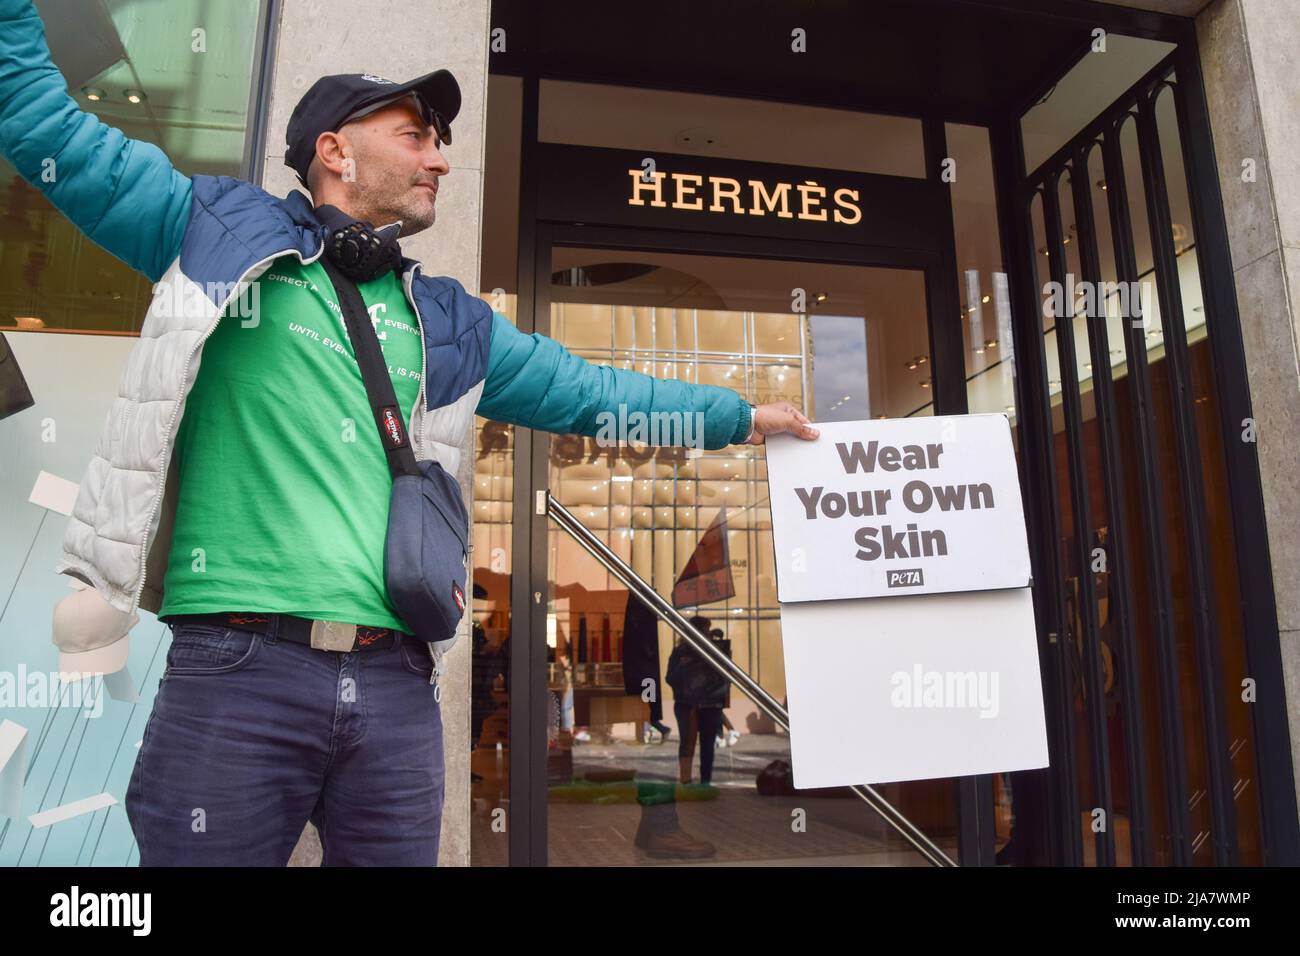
pixel 534 381
pixel 122 193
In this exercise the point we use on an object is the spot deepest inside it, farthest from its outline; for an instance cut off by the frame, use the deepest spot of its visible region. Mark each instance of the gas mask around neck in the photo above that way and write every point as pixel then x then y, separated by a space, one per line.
pixel 360 251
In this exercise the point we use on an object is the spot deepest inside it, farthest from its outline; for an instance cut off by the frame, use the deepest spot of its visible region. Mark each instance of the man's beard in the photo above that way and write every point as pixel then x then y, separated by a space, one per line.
pixel 394 198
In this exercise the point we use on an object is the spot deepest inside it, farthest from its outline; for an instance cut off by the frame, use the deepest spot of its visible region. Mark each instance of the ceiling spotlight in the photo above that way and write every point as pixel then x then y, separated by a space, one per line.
pixel 985 299
pixel 134 96
pixel 979 350
pixel 1101 184
pixel 925 383
pixel 92 93
pixel 911 366
pixel 922 359
pixel 821 296
pixel 991 343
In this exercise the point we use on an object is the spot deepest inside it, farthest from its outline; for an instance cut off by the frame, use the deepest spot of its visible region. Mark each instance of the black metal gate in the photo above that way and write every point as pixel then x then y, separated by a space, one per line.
pixel 1154 598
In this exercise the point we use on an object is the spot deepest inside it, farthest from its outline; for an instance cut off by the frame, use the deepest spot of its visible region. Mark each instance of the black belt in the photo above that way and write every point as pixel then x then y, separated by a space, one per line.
pixel 324 635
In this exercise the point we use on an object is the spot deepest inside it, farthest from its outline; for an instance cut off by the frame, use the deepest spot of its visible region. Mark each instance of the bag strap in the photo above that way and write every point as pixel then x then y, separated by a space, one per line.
pixel 374 372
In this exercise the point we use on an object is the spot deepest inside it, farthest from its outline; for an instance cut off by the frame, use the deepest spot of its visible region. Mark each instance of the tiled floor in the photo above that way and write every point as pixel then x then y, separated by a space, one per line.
pixel 745 827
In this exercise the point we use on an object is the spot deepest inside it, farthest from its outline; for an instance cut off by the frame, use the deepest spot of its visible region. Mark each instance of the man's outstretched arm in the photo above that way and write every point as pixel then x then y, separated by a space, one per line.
pixel 122 193
pixel 534 381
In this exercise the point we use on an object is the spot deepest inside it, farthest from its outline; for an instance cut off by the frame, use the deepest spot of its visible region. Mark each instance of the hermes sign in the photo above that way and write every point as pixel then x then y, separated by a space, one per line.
pixel 632 188
pixel 753 197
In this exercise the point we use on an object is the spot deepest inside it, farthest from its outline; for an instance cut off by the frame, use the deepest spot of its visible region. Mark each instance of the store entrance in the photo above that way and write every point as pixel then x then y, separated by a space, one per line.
pixel 839 339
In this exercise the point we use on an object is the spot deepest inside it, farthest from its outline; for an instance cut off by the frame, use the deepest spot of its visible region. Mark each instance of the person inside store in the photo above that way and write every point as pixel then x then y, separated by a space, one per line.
pixel 700 693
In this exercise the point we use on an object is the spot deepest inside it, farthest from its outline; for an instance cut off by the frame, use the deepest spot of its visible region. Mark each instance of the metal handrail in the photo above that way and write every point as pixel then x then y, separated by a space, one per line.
pixel 721 662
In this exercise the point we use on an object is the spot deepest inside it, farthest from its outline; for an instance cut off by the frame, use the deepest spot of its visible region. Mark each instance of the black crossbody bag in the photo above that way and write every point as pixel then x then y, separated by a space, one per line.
pixel 14 393
pixel 426 551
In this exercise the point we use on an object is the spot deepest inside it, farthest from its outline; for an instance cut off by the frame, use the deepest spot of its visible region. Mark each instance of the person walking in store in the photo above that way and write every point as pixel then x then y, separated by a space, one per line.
pixel 699 695
pixel 226 493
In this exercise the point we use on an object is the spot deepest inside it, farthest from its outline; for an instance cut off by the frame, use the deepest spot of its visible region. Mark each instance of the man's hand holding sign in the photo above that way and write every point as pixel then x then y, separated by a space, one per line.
pixel 776 418
pixel 903 574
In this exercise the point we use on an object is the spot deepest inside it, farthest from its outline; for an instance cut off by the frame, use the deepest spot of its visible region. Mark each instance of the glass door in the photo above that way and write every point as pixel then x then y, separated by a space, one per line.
pixel 621 786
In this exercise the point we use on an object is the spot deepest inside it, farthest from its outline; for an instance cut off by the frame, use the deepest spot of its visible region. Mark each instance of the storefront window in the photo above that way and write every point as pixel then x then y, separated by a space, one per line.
pixel 156 77
pixel 696 525
pixel 985 297
pixel 493 499
pixel 182 82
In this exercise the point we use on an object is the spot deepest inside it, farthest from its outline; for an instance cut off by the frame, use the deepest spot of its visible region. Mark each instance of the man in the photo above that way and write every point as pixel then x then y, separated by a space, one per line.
pixel 239 488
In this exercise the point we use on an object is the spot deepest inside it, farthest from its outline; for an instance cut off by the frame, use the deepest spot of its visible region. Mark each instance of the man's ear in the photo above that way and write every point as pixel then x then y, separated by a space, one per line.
pixel 333 152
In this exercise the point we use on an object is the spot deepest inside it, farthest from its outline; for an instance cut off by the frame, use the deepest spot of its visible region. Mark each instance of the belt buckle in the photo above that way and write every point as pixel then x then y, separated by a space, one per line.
pixel 333 636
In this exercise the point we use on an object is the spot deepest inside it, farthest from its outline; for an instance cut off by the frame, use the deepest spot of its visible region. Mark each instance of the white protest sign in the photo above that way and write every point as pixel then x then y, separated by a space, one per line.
pixel 906 618
pixel 913 687
pixel 898 506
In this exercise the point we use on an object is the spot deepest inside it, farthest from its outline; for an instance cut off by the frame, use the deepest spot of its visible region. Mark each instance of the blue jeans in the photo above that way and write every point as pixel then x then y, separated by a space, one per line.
pixel 708 723
pixel 251 736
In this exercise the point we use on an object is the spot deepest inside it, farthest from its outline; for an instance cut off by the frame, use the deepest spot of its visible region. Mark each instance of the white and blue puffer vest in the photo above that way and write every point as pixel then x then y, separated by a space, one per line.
pixel 119 534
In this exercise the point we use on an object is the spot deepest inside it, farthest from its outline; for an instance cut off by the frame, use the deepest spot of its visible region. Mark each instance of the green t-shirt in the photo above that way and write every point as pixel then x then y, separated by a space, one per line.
pixel 283 483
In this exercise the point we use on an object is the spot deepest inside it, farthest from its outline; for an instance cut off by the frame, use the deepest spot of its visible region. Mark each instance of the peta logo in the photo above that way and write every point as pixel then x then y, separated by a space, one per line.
pixel 904 578
pixel 370 77
pixel 102 909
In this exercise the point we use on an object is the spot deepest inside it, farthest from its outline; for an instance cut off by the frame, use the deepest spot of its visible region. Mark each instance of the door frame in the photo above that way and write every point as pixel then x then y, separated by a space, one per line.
pixel 531 63
pixel 530 588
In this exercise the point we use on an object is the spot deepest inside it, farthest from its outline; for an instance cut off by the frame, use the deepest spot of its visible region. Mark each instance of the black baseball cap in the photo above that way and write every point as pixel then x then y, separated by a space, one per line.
pixel 333 100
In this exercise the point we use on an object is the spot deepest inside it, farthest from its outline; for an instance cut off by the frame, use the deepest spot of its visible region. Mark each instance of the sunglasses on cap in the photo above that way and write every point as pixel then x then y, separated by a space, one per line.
pixel 430 116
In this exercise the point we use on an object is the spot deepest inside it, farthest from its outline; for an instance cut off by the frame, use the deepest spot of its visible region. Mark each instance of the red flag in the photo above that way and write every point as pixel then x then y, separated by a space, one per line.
pixel 707 575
